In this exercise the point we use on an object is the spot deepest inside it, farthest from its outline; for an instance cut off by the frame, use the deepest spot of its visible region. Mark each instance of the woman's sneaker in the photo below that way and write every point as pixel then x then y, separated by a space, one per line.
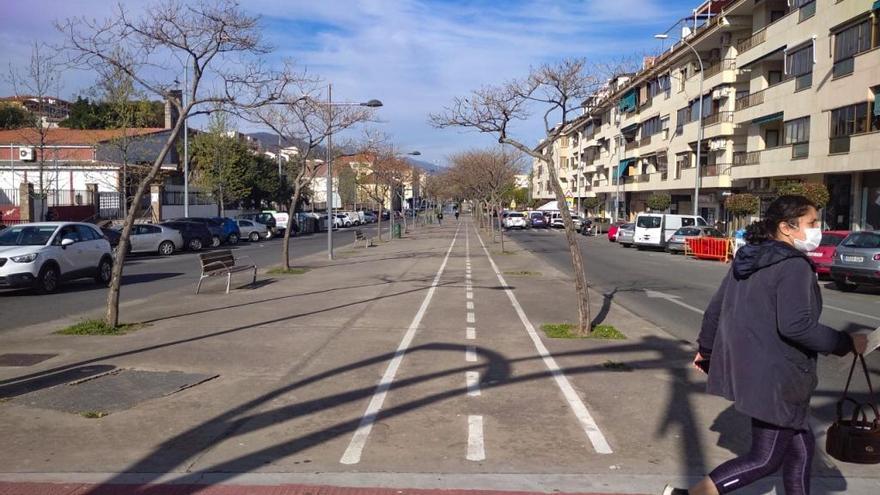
pixel 669 490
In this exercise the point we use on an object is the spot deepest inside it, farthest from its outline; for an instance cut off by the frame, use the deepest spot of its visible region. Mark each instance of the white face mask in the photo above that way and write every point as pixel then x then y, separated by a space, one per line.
pixel 814 237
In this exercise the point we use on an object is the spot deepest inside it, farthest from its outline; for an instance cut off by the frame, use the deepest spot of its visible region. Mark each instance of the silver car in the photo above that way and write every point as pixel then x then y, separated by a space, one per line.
pixel 626 235
pixel 154 238
pixel 678 240
pixel 857 261
pixel 252 231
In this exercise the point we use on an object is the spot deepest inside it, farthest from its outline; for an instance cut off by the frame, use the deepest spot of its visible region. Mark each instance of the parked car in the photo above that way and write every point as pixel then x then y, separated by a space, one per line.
pixel 514 220
pixel 823 256
pixel 196 236
pixel 263 218
pixel 41 255
pixel 655 229
pixel 281 219
pixel 252 231
pixel 343 220
pixel 677 242
pixel 370 217
pixel 602 224
pixel 537 220
pixel 857 261
pixel 154 239
pixel 216 229
pixel 557 223
pixel 231 232
pixel 112 236
pixel 611 230
pixel 626 234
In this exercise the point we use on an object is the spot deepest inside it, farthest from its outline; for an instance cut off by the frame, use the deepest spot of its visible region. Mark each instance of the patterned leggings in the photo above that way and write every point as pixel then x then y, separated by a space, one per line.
pixel 772 447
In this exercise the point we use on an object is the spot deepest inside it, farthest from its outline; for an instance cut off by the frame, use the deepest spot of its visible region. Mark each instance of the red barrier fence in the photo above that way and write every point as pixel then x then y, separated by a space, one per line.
pixel 710 248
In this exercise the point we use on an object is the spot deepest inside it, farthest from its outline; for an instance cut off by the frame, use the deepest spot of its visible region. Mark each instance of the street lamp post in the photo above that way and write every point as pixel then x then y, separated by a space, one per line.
pixel 413 187
pixel 699 123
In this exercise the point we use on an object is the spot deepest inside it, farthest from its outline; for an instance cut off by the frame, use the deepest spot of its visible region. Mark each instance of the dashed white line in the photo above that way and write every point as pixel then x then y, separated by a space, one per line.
pixel 600 444
pixel 470 305
pixel 355 448
pixel 470 354
pixel 471 318
pixel 472 378
pixel 470 294
pixel 471 333
pixel 475 449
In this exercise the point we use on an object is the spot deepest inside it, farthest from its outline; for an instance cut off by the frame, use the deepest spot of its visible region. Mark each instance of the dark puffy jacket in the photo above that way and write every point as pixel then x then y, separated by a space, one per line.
pixel 762 333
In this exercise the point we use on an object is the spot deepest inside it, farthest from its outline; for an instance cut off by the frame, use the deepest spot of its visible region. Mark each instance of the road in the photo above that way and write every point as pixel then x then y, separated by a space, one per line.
pixel 146 275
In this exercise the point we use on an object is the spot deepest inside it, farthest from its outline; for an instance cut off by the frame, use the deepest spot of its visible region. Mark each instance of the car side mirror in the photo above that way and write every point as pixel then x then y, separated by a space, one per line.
pixel 66 242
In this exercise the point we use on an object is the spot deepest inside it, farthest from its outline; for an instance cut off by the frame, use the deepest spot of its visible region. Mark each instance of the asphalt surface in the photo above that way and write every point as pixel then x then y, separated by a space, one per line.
pixel 147 274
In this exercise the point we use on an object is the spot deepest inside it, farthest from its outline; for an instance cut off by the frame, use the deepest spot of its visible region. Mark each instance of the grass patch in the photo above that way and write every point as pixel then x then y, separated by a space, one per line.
pixel 93 414
pixel 567 331
pixel 98 327
pixel 523 273
pixel 615 366
pixel 289 271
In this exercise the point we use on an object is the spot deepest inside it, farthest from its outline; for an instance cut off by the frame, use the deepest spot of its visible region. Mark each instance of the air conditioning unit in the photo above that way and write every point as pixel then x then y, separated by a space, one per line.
pixel 26 154
pixel 716 94
pixel 717 144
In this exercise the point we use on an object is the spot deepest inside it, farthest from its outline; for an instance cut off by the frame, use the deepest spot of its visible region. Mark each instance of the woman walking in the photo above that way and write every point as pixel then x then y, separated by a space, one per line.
pixel 759 342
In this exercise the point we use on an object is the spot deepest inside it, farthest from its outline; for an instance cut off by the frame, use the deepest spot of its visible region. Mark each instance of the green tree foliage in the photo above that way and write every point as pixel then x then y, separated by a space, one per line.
pixel 222 164
pixel 88 114
pixel 814 191
pixel 347 185
pixel 659 201
pixel 590 204
pixel 13 117
pixel 744 204
pixel 521 196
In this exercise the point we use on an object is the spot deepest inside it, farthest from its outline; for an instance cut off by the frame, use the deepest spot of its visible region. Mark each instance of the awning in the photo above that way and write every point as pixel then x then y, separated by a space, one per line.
pixel 876 5
pixel 630 128
pixel 628 102
pixel 768 118
pixel 623 167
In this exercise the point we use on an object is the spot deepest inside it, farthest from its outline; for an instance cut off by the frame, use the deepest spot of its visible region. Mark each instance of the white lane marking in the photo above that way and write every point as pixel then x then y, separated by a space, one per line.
pixel 470 294
pixel 475 450
pixel 854 313
pixel 355 448
pixel 470 354
pixel 471 318
pixel 470 305
pixel 673 299
pixel 471 333
pixel 600 444
pixel 472 378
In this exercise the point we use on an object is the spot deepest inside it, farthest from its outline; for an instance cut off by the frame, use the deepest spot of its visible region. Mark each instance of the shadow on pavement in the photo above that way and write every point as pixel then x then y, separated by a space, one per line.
pixel 85 284
pixel 41 382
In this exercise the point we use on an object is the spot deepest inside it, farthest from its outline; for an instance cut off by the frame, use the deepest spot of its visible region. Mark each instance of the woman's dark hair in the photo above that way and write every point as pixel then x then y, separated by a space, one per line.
pixel 783 209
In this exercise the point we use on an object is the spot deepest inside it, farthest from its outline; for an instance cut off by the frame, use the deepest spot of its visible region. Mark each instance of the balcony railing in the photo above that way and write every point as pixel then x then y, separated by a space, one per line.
pixel 750 100
pixel 631 145
pixel 715 169
pixel 642 178
pixel 645 141
pixel 752 41
pixel 746 158
pixel 721 65
pixel 718 118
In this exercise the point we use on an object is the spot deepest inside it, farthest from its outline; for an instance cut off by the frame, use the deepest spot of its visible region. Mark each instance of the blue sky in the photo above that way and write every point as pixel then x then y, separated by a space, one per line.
pixel 414 55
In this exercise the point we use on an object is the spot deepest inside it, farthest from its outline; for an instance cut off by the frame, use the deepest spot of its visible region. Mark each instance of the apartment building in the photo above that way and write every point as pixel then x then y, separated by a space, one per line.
pixel 788 94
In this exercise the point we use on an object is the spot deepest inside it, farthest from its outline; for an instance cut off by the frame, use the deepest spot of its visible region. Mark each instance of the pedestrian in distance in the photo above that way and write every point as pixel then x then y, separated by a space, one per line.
pixel 440 217
pixel 758 344
pixel 456 215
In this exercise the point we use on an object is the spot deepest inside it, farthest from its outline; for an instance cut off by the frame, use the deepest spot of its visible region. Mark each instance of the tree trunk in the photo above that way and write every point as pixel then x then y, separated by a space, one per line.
pixel 285 240
pixel 577 262
pixel 379 223
pixel 500 227
pixel 111 317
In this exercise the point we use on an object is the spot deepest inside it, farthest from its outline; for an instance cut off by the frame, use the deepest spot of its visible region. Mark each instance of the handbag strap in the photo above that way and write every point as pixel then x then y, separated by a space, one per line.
pixel 872 401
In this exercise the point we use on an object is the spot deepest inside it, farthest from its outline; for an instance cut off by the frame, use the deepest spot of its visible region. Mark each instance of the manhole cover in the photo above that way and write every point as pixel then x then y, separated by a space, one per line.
pixel 116 391
pixel 23 359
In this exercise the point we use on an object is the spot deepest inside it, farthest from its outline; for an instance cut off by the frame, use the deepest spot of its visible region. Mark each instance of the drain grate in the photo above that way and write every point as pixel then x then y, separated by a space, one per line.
pixel 23 359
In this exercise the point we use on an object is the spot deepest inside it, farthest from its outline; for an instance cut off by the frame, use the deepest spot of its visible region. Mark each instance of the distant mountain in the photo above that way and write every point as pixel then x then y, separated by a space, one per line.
pixel 427 166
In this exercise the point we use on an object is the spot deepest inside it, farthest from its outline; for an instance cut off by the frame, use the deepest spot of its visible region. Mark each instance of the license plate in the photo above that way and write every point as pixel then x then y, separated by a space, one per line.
pixel 814 255
pixel 853 259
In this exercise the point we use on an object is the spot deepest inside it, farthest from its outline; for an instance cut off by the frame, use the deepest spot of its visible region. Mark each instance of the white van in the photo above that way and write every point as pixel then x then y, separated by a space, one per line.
pixel 655 229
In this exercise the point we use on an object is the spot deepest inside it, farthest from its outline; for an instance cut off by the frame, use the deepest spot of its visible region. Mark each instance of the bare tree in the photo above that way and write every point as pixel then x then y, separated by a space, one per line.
pixel 40 82
pixel 307 117
pixel 221 47
pixel 384 173
pixel 558 89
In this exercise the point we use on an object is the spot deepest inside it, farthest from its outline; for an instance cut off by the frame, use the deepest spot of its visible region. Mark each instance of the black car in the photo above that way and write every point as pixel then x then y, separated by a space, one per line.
pixel 112 237
pixel 195 234
pixel 214 226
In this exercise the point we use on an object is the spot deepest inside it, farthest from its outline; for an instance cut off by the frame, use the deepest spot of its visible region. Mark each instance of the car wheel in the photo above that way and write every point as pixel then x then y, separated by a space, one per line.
pixel 215 241
pixel 105 272
pixel 195 245
pixel 844 286
pixel 269 234
pixel 254 237
pixel 47 280
pixel 166 248
pixel 232 239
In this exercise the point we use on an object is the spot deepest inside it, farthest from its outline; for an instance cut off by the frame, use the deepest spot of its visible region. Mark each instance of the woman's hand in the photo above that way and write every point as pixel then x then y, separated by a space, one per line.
pixel 860 342
pixel 701 363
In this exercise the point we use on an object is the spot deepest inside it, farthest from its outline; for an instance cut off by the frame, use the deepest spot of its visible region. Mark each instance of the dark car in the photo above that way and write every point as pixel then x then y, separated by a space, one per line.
pixel 537 220
pixel 195 235
pixel 231 232
pixel 217 234
pixel 112 237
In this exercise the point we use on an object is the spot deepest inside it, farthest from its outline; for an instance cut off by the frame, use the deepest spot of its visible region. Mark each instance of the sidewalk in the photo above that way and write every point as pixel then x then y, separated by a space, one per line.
pixel 264 389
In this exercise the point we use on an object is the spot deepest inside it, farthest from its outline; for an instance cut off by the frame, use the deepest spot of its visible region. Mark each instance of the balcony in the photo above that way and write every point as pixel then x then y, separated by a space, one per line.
pixel 718 118
pixel 645 141
pixel 715 169
pixel 741 158
pixel 750 100
pixel 631 145
pixel 752 41
pixel 717 67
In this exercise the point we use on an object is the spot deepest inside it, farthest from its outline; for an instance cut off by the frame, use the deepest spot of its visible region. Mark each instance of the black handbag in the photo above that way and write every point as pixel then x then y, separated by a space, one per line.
pixel 855 440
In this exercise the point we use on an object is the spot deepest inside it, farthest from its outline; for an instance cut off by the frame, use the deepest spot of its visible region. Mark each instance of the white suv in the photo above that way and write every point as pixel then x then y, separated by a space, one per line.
pixel 41 255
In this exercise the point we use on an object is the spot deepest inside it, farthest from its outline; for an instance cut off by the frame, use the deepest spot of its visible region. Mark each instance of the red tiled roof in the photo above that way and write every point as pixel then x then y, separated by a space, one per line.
pixel 62 136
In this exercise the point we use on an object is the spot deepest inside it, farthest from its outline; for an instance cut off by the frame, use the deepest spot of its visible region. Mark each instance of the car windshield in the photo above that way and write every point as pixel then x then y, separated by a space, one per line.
pixel 687 231
pixel 713 233
pixel 868 240
pixel 515 215
pixel 830 240
pixel 648 222
pixel 27 235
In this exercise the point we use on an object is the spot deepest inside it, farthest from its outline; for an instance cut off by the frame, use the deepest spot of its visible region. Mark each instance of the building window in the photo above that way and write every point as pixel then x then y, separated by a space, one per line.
pixel 682 161
pixel 800 67
pixel 849 43
pixel 682 117
pixel 797 134
pixel 771 138
pixel 651 126
pixel 807 9
pixel 774 77
pixel 845 122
